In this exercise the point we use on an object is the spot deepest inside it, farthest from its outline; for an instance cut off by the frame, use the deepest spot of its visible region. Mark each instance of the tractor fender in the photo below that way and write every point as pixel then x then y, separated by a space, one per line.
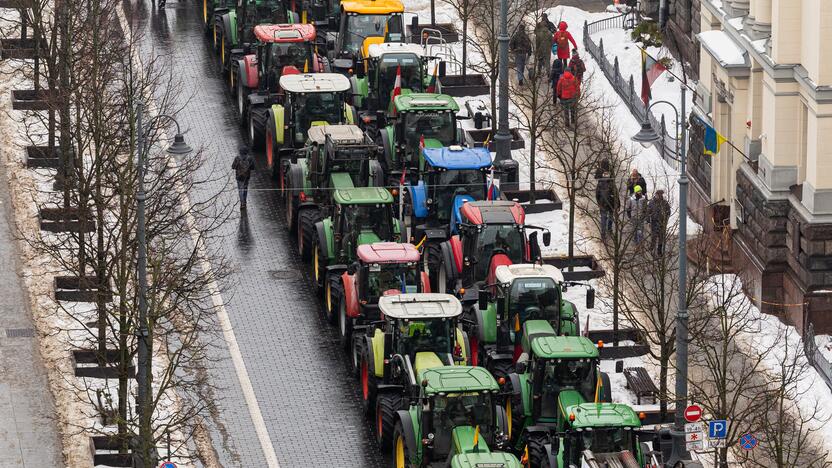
pixel 448 259
pixel 419 196
pixel 295 176
pixel 425 282
pixel 321 231
pixel 480 318
pixel 248 71
pixel 256 99
pixel 279 126
pixel 229 27
pixel 350 115
pixel 388 143
pixel 502 420
pixel 371 355
pixel 456 252
pixel 357 96
pixel 516 386
pixel 403 416
pixel 350 294
pixel 435 234
pixel 376 348
pixel 464 345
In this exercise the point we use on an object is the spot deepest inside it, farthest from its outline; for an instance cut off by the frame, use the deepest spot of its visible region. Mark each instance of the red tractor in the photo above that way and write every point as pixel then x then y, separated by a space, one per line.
pixel 381 268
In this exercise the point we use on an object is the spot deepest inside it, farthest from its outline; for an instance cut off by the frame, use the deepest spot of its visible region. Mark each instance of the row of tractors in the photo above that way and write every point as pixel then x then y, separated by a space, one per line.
pixel 463 345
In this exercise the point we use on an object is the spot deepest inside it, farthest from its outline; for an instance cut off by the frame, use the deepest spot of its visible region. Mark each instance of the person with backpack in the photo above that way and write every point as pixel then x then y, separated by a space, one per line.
pixel 568 91
pixel 637 212
pixel 243 166
pixel 520 45
pixel 606 195
pixel 554 77
pixel 542 47
pixel 658 213
pixel 561 40
pixel 577 66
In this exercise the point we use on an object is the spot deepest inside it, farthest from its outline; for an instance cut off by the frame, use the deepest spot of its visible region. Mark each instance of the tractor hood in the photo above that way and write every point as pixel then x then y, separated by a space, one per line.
pixel 469 457
pixel 603 415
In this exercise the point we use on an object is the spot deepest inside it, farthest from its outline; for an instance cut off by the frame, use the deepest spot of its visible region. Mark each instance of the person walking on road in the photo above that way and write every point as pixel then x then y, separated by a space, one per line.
pixel 568 91
pixel 606 196
pixel 561 40
pixel 554 77
pixel 542 46
pixel 243 166
pixel 520 45
pixel 658 212
pixel 636 212
pixel 577 66
pixel 636 179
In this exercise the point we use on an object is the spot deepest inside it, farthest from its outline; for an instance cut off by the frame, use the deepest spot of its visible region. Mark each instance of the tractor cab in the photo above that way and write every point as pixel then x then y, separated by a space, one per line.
pixel 337 157
pixel 422 121
pixel 609 430
pixel 373 83
pixel 361 24
pixel 234 27
pixel 457 421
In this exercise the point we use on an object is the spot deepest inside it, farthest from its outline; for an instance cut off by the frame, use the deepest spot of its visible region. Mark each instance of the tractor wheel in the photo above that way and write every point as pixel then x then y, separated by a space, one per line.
pixel 272 160
pixel 442 279
pixel 433 263
pixel 332 292
pixel 367 379
pixel 306 231
pixel 242 100
pixel 355 356
pixel 539 456
pixel 318 265
pixel 214 35
pixel 291 211
pixel 344 323
pixel 386 406
pixel 514 415
pixel 401 456
pixel 256 126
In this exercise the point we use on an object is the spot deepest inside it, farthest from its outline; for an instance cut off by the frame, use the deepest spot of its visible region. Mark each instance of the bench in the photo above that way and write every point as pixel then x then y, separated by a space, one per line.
pixel 639 381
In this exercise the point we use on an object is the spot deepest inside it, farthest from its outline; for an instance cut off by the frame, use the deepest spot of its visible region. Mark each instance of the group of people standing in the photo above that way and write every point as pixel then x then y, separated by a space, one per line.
pixel 638 209
pixel 565 74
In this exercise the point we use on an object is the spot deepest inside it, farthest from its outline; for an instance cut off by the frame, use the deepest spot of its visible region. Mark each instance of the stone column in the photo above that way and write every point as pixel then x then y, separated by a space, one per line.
pixel 736 8
pixel 761 12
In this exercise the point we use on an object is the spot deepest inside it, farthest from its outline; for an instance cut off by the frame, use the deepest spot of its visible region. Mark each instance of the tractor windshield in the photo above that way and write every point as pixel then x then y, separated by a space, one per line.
pixel 460 409
pixel 456 182
pixel 605 439
pixel 360 27
pixel 432 336
pixel 369 221
pixel 499 238
pixel 295 54
pixel 534 299
pixel 392 276
pixel 431 125
pixel 323 108
pixel 571 373
pixel 388 67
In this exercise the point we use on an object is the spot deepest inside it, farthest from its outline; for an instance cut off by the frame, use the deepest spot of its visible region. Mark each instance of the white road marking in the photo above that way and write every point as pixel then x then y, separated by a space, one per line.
pixel 216 298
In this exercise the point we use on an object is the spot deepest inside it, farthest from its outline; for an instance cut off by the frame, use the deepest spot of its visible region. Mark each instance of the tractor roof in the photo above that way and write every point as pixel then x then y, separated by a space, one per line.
pixel 493 212
pixel 372 7
pixel 419 306
pixel 564 347
pixel 362 196
pixel 457 157
pixel 425 102
pixel 285 32
pixel 603 415
pixel 343 134
pixel 315 83
pixel 387 252
pixel 377 50
pixel 508 273
pixel 456 379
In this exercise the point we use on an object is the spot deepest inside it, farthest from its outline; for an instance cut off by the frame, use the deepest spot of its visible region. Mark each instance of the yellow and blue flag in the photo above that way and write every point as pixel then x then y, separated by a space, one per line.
pixel 713 140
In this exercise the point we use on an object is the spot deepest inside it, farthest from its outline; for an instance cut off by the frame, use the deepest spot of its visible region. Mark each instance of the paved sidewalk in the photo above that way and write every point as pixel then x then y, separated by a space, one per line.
pixel 28 434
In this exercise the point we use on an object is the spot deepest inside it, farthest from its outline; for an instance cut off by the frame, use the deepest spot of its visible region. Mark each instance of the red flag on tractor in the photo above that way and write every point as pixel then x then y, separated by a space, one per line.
pixel 651 69
pixel 432 85
pixel 397 87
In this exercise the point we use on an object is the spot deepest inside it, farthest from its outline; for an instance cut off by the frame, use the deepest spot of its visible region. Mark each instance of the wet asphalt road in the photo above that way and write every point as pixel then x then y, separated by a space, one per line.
pixel 309 402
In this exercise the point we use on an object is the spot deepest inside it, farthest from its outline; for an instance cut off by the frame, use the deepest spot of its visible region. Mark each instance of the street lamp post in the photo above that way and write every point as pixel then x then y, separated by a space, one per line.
pixel 648 136
pixel 502 140
pixel 145 341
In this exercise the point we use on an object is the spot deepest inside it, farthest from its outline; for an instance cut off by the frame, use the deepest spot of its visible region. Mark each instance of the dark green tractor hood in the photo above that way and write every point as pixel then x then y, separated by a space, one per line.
pixel 467 457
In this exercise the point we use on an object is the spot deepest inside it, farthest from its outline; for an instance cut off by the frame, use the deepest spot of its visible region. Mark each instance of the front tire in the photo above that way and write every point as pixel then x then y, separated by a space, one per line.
pixel 332 292
pixel 539 456
pixel 306 231
pixel 256 126
pixel 367 379
pixel 318 266
pixel 344 323
pixel 401 456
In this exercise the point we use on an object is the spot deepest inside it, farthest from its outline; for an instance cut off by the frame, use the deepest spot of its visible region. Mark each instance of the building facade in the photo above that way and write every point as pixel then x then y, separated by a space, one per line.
pixel 766 84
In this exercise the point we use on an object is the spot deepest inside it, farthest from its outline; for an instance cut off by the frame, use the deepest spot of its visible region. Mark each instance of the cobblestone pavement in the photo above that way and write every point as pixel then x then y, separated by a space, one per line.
pixel 28 433
pixel 308 400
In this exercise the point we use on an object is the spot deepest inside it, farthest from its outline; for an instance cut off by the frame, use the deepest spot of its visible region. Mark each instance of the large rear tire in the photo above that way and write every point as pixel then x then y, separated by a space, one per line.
pixel 401 456
pixel 256 127
pixel 319 262
pixel 539 456
pixel 386 406
pixel 241 92
pixel 291 209
pixel 306 231
pixel 332 292
pixel 272 151
pixel 344 323
pixel 433 262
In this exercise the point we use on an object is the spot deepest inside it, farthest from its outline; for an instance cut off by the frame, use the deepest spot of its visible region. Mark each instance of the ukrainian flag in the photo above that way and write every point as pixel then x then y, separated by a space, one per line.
pixel 713 140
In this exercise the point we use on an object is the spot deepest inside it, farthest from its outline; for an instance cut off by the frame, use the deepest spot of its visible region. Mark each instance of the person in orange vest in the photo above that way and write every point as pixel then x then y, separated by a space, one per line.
pixel 568 91
pixel 561 40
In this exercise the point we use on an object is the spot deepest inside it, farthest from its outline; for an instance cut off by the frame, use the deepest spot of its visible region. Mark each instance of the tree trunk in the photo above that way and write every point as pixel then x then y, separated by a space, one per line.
pixel 532 157
pixel 616 282
pixel 464 37
pixel 573 195
pixel 663 363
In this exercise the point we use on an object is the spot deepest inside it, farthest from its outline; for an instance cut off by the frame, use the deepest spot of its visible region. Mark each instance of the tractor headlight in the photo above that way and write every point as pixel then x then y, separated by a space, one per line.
pixel 429 201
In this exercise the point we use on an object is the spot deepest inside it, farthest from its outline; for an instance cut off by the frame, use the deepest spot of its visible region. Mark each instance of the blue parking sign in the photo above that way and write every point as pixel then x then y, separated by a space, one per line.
pixel 167 464
pixel 718 429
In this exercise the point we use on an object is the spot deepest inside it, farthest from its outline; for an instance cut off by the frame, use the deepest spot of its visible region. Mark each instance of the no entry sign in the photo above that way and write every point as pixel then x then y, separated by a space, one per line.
pixel 693 413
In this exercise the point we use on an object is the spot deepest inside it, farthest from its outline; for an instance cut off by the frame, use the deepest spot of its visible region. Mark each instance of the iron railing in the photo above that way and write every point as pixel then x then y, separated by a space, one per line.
pixel 815 357
pixel 625 87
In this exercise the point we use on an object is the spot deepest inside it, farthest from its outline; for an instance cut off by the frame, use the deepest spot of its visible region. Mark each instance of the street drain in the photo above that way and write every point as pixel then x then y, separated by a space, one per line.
pixel 283 274
pixel 20 332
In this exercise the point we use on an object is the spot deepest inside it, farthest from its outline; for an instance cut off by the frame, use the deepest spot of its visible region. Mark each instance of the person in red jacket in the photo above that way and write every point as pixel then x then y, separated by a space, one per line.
pixel 561 40
pixel 568 91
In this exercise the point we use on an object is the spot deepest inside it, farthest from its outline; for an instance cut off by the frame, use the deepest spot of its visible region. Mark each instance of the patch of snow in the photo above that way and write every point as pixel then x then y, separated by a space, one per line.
pixel 722 47
pixel 736 23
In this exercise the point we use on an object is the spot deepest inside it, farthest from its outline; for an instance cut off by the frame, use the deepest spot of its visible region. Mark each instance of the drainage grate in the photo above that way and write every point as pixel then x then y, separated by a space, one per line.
pixel 284 274
pixel 20 332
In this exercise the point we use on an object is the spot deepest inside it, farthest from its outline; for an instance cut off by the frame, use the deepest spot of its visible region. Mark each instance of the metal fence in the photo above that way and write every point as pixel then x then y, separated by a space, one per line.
pixel 815 357
pixel 625 87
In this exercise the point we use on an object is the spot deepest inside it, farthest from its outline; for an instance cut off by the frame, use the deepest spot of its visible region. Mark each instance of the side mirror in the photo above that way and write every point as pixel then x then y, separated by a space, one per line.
pixel 534 247
pixel 442 68
pixel 330 45
pixel 590 298
pixel 483 299
pixel 414 24
pixel 332 22
pixel 520 367
pixel 547 238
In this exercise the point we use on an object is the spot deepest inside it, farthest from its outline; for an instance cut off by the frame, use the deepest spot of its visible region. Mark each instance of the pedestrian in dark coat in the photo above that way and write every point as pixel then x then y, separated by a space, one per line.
pixel 636 179
pixel 603 166
pixel 568 91
pixel 544 19
pixel 577 66
pixel 561 39
pixel 542 46
pixel 243 166
pixel 658 212
pixel 554 76
pixel 521 46
pixel 636 210
pixel 606 195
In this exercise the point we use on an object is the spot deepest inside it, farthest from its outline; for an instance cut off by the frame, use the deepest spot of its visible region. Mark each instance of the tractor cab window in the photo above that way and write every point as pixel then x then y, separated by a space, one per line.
pixel 369 220
pixel 318 107
pixel 360 27
pixel 606 440
pixel 431 125
pixel 417 336
pixel 388 66
pixel 294 54
pixel 460 409
pixel 534 299
pixel 498 238
pixel 269 11
pixel 577 374
pixel 396 277
pixel 456 182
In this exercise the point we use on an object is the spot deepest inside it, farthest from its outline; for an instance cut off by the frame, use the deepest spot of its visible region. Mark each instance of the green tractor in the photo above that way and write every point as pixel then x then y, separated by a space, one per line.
pixel 554 374
pixel 335 157
pixel 211 9
pixel 234 25
pixel 308 100
pixel 521 293
pixel 609 432
pixel 456 422
pixel 361 215
pixel 416 332
pixel 422 121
